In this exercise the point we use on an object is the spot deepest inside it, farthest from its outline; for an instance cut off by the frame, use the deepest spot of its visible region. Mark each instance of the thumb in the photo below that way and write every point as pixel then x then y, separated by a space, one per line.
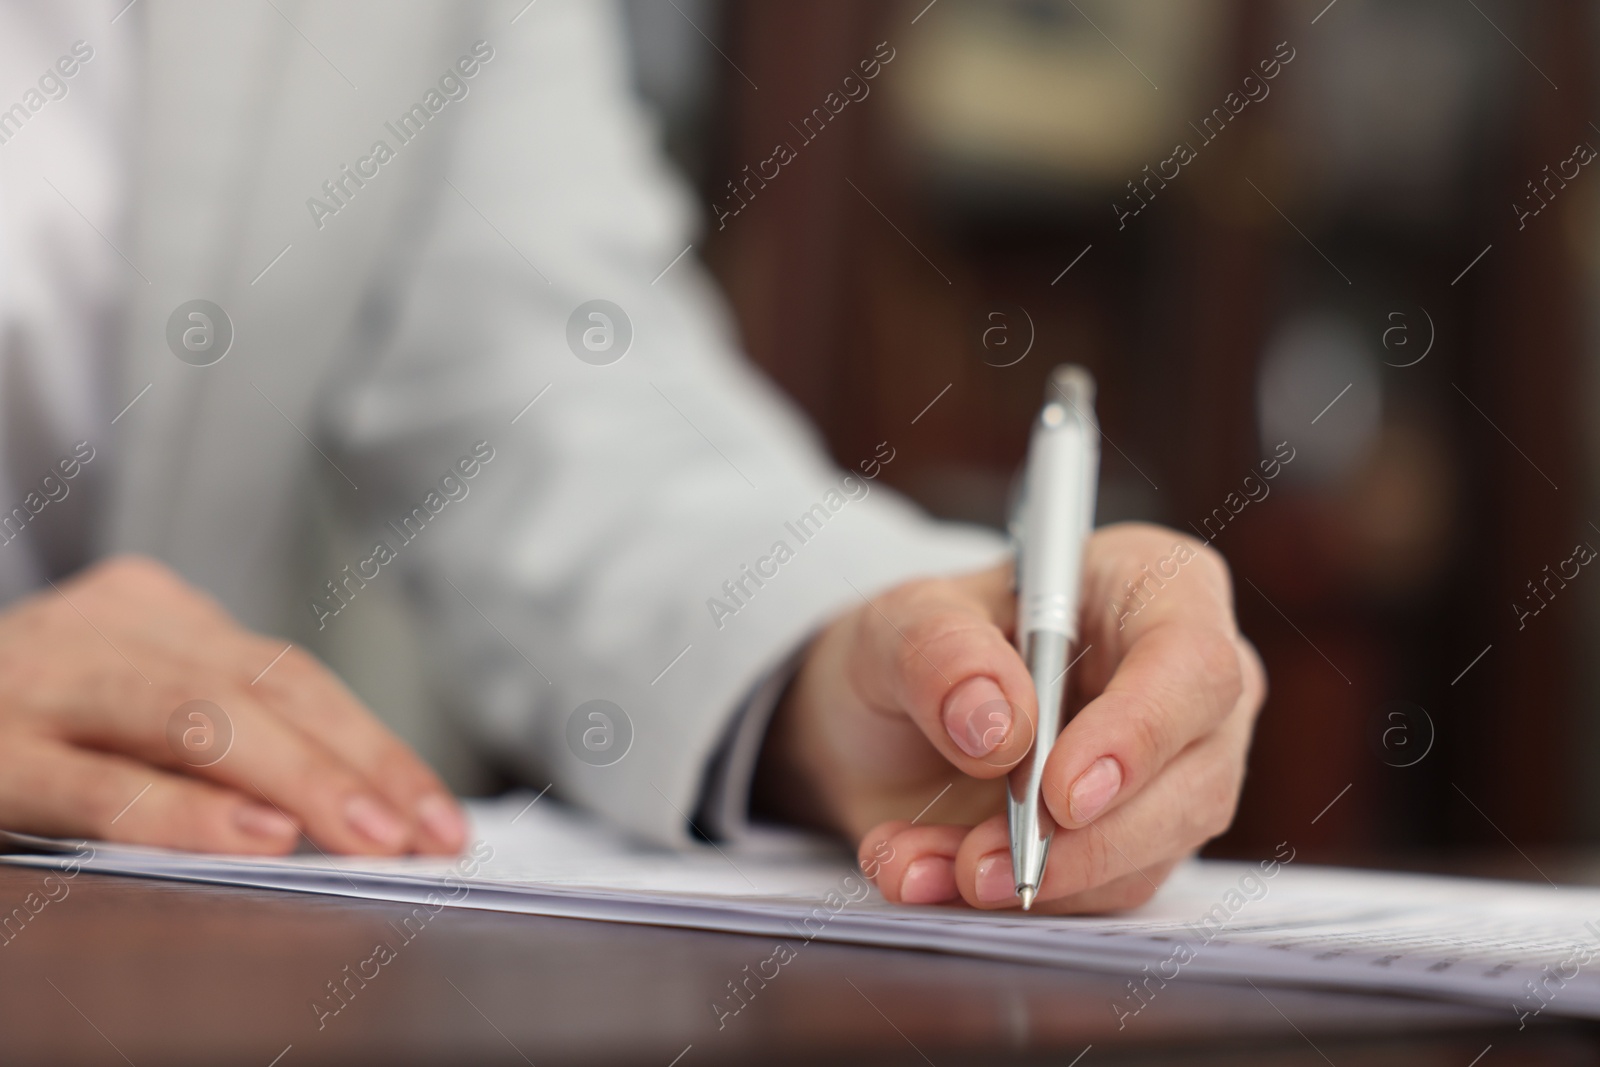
pixel 935 651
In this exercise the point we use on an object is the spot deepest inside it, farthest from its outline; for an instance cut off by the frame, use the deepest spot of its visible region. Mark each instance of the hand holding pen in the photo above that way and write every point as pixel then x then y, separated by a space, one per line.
pixel 909 713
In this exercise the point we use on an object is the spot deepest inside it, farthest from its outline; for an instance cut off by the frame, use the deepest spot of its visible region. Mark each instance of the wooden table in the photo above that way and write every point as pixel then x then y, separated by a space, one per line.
pixel 159 973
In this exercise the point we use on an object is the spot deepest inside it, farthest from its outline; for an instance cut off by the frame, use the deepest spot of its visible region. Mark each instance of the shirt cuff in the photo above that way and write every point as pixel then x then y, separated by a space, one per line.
pixel 723 813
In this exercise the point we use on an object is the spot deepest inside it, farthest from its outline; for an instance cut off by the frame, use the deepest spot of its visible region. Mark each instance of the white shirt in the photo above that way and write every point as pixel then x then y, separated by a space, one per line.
pixel 63 201
pixel 373 351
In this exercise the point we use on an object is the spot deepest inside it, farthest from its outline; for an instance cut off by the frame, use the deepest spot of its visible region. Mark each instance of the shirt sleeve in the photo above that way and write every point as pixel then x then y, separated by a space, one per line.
pixel 651 526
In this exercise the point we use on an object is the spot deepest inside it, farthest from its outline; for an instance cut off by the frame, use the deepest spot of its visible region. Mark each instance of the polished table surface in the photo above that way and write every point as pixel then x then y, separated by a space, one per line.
pixel 130 971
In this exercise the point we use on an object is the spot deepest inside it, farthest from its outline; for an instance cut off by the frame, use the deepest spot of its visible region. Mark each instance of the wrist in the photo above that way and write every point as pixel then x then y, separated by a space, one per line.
pixel 786 788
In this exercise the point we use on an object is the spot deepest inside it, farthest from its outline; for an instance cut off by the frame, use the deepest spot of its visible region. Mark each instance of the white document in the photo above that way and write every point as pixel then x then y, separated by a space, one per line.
pixel 1532 949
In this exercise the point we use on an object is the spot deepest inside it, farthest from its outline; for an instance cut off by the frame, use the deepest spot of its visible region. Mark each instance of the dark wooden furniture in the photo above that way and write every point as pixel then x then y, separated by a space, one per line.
pixel 159 973
pixel 864 292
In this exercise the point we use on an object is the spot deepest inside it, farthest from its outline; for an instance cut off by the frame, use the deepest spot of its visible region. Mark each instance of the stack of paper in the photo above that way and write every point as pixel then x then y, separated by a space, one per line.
pixel 1533 949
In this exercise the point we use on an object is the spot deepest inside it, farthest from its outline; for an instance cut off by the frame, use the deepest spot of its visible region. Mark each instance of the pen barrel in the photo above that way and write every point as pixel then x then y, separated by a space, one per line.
pixel 1045 653
pixel 1056 518
pixel 1056 523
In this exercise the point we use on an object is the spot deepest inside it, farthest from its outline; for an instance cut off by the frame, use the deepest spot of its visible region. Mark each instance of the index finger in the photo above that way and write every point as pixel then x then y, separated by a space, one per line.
pixel 312 698
pixel 266 759
pixel 1177 684
pixel 1178 668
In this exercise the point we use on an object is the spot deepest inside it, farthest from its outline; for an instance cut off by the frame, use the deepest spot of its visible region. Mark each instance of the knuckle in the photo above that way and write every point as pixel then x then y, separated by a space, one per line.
pixel 287 675
pixel 958 641
pixel 1217 803
pixel 893 602
pixel 1219 663
pixel 135 571
pixel 924 635
pixel 908 662
pixel 296 663
pixel 946 632
pixel 1214 563
pixel 150 583
pixel 1146 734
pixel 910 593
pixel 1223 818
pixel 1144 723
pixel 1253 674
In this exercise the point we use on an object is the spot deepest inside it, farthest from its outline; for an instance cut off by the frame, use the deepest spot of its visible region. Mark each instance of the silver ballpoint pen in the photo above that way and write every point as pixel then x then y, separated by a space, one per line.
pixel 1055 518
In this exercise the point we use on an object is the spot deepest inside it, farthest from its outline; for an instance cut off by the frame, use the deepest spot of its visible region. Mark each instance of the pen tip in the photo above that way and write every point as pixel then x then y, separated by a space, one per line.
pixel 1026 893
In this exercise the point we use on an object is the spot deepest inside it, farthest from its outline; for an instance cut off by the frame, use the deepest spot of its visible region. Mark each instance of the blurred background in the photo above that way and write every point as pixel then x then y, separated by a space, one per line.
pixel 1383 255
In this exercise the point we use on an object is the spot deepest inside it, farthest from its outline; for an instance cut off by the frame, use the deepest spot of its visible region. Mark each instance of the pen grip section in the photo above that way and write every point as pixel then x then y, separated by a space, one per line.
pixel 1045 654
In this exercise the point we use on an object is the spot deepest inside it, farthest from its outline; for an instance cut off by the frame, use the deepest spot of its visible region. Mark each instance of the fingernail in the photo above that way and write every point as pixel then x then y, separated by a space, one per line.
pixel 257 821
pixel 977 716
pixel 995 880
pixel 443 819
pixel 1094 789
pixel 373 822
pixel 929 880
